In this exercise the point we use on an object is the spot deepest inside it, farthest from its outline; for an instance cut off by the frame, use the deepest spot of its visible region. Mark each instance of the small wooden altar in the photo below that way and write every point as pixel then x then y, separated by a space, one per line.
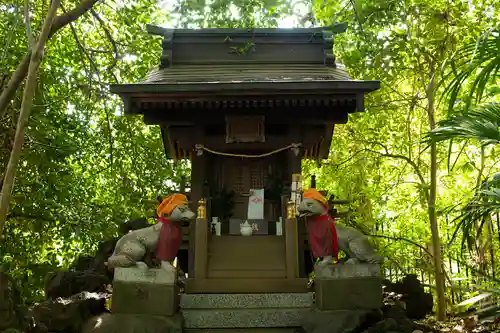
pixel 245 106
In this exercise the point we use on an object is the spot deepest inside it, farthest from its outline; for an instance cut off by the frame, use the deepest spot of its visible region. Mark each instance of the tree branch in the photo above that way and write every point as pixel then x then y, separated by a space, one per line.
pixel 27 23
pixel 450 281
pixel 26 104
pixel 110 39
pixel 22 69
pixel 410 162
pixel 29 217
pixel 405 240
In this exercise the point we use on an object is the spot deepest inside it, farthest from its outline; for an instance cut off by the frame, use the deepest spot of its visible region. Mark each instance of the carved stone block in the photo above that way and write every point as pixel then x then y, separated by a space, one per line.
pixel 145 291
pixel 146 275
pixel 347 271
pixel 348 287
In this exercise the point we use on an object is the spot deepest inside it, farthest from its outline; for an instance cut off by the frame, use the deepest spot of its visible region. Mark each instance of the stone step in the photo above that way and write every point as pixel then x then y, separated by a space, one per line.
pixel 242 330
pixel 244 318
pixel 246 301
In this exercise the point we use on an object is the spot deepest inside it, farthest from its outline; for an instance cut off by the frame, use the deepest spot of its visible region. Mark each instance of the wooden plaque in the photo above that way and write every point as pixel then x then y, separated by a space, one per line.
pixel 245 129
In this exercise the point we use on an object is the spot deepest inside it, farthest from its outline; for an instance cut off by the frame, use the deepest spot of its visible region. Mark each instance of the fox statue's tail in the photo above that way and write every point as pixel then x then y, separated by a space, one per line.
pixel 126 255
pixel 120 260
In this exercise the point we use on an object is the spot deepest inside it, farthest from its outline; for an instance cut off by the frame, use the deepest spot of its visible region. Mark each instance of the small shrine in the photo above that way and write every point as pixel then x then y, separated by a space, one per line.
pixel 246 106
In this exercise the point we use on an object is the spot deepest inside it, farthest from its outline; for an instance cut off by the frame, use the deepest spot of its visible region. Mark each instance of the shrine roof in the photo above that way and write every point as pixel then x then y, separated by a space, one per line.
pixel 246 73
pixel 212 65
pixel 230 78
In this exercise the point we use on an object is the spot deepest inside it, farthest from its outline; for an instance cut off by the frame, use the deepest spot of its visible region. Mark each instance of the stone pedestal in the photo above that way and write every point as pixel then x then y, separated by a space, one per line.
pixel 236 312
pixel 345 294
pixel 348 287
pixel 145 291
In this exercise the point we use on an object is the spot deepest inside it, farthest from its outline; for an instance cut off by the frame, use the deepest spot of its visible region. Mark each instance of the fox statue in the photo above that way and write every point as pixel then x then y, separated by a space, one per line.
pixel 326 237
pixel 163 238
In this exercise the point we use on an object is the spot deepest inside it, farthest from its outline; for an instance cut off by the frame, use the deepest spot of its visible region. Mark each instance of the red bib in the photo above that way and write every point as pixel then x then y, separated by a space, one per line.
pixel 170 240
pixel 323 236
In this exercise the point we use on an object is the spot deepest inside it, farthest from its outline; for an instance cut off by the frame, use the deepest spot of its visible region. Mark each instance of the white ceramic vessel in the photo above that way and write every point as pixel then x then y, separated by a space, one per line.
pixel 246 229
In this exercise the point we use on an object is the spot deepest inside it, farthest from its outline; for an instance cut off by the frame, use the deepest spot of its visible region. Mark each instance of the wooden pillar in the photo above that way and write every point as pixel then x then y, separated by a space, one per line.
pixel 294 167
pixel 291 242
pixel 182 185
pixel 198 173
pixel 201 239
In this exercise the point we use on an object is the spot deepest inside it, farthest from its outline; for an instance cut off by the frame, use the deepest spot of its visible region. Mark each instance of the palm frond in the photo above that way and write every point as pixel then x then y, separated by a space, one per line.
pixel 482 124
pixel 477 211
pixel 478 61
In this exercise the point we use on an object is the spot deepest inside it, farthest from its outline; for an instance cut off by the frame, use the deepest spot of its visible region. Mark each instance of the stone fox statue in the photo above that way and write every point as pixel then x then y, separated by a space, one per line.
pixel 164 238
pixel 325 237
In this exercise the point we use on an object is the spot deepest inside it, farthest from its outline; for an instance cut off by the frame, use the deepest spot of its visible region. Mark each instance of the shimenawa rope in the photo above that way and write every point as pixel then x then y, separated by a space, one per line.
pixel 293 146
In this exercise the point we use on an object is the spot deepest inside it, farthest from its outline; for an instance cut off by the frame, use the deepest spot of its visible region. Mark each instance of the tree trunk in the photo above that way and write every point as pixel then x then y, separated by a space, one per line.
pixel 22 69
pixel 29 93
pixel 436 242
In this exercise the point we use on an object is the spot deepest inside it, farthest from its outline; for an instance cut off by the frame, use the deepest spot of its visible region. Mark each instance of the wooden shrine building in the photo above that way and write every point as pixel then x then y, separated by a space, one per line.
pixel 246 106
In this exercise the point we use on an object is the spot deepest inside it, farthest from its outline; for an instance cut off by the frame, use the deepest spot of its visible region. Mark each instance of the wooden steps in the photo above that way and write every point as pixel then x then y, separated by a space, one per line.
pixel 259 257
pixel 216 286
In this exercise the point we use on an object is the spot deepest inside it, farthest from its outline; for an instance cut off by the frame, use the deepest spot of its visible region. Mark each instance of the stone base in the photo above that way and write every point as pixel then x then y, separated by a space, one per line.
pixel 244 318
pixel 341 321
pixel 133 323
pixel 340 271
pixel 144 298
pixel 147 275
pixel 245 311
pixel 349 287
pixel 244 330
pixel 145 291
pixel 247 301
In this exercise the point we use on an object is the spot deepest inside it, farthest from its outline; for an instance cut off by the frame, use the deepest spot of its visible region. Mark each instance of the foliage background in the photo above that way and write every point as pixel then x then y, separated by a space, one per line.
pixel 85 167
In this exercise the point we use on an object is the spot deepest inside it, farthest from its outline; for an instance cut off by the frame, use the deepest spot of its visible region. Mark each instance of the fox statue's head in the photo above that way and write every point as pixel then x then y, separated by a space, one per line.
pixel 313 204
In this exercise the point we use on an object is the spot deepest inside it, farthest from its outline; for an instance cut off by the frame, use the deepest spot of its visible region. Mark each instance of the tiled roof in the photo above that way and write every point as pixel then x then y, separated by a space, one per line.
pixel 245 73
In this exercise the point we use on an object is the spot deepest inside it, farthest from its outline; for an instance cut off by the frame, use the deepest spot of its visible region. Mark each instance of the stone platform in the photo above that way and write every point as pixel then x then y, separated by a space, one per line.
pixel 345 295
pixel 238 311
pixel 145 291
pixel 348 287
pixel 242 330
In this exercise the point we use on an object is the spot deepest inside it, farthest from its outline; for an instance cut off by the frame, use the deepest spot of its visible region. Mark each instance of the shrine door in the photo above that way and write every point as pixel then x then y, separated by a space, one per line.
pixel 241 175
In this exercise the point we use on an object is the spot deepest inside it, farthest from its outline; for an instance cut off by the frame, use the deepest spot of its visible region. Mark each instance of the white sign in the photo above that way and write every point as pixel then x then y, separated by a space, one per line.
pixel 256 204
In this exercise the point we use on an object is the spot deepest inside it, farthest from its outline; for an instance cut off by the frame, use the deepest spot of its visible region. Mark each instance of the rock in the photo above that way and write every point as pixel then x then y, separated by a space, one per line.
pixel 132 323
pixel 66 283
pixel 385 325
pixel 89 273
pixel 418 303
pixel 14 315
pixel 68 315
pixel 338 321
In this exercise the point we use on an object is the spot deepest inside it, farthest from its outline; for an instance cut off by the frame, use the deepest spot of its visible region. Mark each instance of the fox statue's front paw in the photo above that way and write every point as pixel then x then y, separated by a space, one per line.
pixel 141 265
pixel 325 261
pixel 168 266
pixel 352 261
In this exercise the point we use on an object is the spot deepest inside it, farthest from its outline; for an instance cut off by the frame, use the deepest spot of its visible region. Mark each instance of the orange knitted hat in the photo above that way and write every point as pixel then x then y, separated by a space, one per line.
pixel 313 193
pixel 168 205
